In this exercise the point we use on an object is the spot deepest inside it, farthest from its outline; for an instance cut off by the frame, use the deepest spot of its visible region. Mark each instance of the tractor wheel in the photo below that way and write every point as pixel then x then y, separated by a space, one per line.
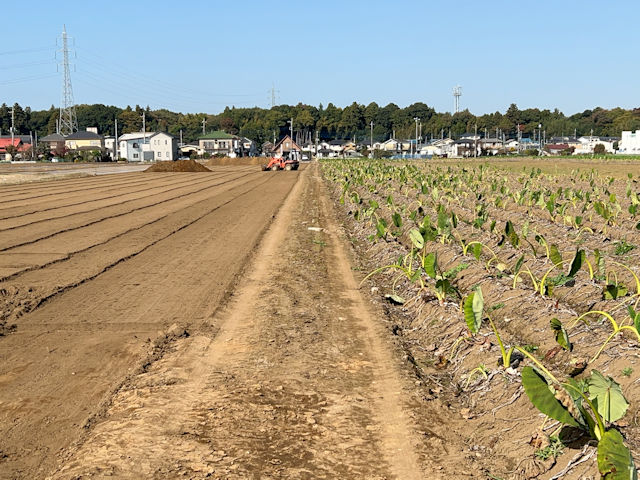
pixel 274 168
pixel 288 167
pixel 264 168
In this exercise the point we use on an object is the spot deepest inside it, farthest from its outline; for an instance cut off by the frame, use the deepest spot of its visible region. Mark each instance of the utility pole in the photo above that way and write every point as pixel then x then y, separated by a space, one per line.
pixel 475 140
pixel 32 146
pixel 371 144
pixel 12 123
pixel 204 124
pixel 144 128
pixel 416 119
pixel 181 137
pixel 115 145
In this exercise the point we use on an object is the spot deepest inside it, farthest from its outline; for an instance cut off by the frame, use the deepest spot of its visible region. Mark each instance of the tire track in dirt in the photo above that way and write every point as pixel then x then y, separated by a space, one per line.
pixel 57 373
pixel 35 286
pixel 7 245
pixel 297 383
pixel 42 190
pixel 46 208
pixel 99 205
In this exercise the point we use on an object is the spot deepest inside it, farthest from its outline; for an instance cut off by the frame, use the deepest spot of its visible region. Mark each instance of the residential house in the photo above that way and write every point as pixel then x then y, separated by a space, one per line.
pixel 187 150
pixel 12 148
pixel 337 146
pixel 465 147
pixel 325 153
pixel 220 143
pixel 588 144
pixel 55 143
pixel 286 147
pixel 556 148
pixel 630 143
pixel 266 148
pixel 83 141
pixel 437 148
pixel 148 146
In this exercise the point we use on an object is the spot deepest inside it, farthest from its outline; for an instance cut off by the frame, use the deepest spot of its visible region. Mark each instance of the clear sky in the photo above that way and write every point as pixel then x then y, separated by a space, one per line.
pixel 201 55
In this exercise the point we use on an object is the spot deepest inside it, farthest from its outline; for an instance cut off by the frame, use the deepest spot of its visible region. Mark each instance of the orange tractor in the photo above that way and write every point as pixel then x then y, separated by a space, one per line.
pixel 280 163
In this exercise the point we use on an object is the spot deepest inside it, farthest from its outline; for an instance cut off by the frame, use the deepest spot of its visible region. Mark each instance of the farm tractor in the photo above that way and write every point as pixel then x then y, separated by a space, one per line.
pixel 281 163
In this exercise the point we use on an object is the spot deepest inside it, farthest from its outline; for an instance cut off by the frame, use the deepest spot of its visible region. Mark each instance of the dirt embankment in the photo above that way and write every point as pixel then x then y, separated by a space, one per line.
pixel 226 161
pixel 178 166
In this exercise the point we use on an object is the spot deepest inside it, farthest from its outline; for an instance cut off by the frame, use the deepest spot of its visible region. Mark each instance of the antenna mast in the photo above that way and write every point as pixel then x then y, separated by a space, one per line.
pixel 457 93
pixel 68 119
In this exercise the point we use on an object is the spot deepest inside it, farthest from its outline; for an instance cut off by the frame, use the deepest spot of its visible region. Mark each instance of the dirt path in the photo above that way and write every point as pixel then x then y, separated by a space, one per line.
pixel 293 378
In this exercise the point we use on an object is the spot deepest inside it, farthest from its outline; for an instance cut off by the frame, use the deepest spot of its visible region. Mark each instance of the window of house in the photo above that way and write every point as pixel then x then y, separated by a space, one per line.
pixel 166 142
pixel 167 155
pixel 135 155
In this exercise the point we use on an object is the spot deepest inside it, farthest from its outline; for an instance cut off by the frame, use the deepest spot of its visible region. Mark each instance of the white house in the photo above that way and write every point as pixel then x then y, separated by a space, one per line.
pixel 588 143
pixel 139 146
pixel 630 143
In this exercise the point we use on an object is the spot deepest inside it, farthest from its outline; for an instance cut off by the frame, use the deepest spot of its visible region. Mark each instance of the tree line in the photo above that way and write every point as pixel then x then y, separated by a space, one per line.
pixel 330 122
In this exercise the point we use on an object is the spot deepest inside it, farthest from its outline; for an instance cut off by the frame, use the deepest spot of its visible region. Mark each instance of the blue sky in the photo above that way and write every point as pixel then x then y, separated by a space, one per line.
pixel 200 56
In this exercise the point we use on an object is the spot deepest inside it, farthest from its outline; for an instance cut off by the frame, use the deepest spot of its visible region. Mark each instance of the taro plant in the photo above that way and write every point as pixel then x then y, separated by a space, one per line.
pixel 634 328
pixel 591 405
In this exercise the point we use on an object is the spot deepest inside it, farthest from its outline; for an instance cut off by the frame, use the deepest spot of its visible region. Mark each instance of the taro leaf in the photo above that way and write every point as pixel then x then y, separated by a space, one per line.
pixel 611 404
pixel 476 250
pixel 613 292
pixel 430 262
pixel 577 262
pixel 416 238
pixel 454 220
pixel 599 261
pixel 381 228
pixel 614 458
pixel 395 299
pixel 537 389
pixel 562 337
pixel 511 234
pixel 443 220
pixel 555 255
pixel 473 305
pixel 397 219
pixel 635 317
pixel 518 266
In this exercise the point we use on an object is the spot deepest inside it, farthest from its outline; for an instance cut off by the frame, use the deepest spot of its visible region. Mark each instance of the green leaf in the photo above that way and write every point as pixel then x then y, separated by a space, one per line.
pixel 416 238
pixel 397 219
pixel 476 250
pixel 537 389
pixel 614 458
pixel 430 263
pixel 381 228
pixel 599 261
pixel 612 405
pixel 635 317
pixel 395 299
pixel 555 255
pixel 577 262
pixel 562 337
pixel 518 265
pixel 613 292
pixel 473 306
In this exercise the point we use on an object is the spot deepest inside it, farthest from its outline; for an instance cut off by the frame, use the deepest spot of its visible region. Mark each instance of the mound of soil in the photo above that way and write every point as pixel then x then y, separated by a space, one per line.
pixel 244 161
pixel 178 166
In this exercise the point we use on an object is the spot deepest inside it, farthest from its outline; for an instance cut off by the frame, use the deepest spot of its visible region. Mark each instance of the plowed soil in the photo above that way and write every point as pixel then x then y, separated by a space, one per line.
pixel 200 326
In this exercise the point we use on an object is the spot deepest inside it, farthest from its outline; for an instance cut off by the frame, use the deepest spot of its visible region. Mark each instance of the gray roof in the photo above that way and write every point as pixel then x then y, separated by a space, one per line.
pixel 84 135
pixel 54 137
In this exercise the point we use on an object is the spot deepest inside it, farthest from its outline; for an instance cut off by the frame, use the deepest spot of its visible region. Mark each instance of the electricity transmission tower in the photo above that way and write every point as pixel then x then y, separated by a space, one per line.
pixel 68 120
pixel 457 93
pixel 274 94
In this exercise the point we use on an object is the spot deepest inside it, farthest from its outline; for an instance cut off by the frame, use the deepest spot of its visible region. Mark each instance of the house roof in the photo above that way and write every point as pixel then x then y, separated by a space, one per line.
pixel 217 135
pixel 337 142
pixel 84 135
pixel 54 137
pixel 277 145
pixel 24 138
pixel 5 142
pixel 137 135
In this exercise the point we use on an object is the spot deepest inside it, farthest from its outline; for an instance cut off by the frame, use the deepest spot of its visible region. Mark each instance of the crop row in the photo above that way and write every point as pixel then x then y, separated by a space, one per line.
pixel 535 244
